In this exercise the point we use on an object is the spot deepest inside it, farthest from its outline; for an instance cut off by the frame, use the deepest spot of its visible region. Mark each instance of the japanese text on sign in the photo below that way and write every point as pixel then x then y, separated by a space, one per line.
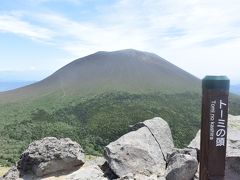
pixel 217 127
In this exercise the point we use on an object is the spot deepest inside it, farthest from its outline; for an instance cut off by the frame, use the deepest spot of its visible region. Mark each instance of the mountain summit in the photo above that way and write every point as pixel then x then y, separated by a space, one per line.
pixel 125 70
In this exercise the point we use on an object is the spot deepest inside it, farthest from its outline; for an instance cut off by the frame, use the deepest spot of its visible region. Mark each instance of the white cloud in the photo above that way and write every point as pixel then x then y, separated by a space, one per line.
pixel 190 33
pixel 137 24
pixel 13 24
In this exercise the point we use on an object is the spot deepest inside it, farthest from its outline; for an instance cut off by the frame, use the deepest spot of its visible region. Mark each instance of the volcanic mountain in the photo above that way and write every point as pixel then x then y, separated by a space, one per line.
pixel 125 70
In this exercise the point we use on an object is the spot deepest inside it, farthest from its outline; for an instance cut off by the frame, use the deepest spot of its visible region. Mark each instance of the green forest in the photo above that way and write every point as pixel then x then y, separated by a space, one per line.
pixel 96 121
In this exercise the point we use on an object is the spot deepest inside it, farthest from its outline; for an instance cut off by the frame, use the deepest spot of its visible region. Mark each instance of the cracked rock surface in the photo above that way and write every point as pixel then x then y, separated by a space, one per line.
pixel 161 132
pixel 142 151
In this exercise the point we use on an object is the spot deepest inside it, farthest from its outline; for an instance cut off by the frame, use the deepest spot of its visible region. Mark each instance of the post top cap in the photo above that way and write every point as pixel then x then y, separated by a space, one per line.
pixel 216 78
pixel 216 82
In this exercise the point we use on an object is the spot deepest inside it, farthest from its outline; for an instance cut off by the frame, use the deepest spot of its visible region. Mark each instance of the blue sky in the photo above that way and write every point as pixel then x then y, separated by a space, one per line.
pixel 37 37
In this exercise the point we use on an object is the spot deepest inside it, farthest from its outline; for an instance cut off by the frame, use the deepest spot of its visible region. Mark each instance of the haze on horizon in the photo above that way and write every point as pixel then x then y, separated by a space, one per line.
pixel 37 37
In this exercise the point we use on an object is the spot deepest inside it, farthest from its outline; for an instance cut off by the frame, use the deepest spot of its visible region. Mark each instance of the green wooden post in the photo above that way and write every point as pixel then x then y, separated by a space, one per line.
pixel 214 127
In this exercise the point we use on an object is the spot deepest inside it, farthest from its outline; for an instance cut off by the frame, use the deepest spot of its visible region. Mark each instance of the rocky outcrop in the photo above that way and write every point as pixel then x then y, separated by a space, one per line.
pixel 50 155
pixel 161 132
pixel 141 151
pixel 232 170
pixel 47 156
pixel 135 152
pixel 145 153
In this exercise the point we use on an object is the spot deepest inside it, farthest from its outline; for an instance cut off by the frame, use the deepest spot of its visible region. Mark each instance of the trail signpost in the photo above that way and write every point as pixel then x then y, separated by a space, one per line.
pixel 214 127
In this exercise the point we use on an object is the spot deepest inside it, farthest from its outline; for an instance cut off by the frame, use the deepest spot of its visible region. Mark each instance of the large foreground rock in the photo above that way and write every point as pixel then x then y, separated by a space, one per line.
pixel 141 151
pixel 50 155
pixel 232 171
pixel 135 152
pixel 161 132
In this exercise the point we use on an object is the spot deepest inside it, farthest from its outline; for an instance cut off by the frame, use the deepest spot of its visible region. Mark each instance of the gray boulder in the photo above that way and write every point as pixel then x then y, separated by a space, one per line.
pixel 161 132
pixel 50 155
pixel 181 167
pixel 135 152
pixel 232 170
pixel 141 151
pixel 92 172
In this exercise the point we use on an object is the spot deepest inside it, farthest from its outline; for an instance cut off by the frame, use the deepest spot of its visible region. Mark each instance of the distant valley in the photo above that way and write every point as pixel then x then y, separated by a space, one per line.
pixel 93 100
